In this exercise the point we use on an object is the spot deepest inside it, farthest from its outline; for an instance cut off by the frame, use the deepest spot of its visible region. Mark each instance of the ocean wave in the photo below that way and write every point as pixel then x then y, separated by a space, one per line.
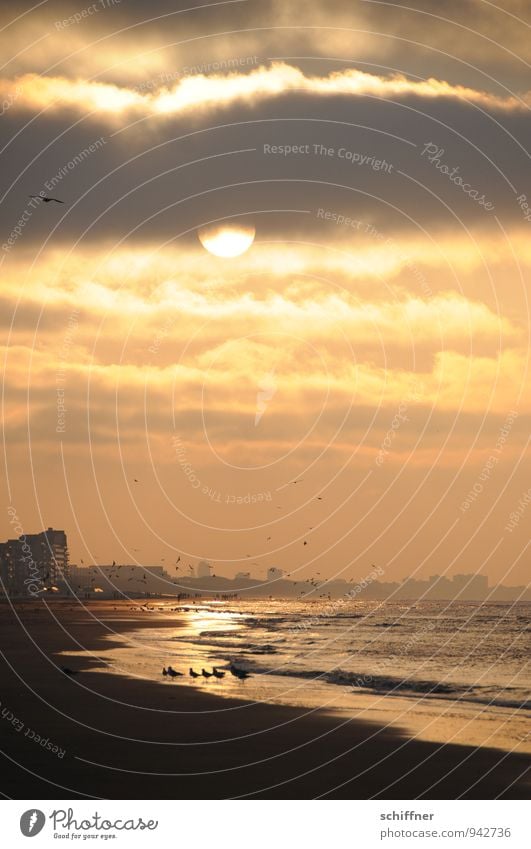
pixel 385 625
pixel 391 685
pixel 224 643
pixel 374 683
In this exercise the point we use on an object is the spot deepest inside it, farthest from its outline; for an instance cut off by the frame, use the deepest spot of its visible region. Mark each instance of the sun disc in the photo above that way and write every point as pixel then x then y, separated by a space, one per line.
pixel 227 240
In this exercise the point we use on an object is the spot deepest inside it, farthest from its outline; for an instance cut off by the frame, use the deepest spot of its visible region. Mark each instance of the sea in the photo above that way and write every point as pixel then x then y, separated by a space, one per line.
pixel 439 670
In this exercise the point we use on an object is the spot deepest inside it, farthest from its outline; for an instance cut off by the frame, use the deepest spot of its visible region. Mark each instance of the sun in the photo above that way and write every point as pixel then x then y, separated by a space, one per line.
pixel 227 240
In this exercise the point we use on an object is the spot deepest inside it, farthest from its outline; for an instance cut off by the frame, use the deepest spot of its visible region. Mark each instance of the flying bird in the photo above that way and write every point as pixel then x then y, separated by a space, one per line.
pixel 45 199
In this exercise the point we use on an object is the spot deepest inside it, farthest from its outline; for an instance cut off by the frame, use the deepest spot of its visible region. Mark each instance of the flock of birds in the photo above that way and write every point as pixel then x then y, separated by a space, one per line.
pixel 241 674
pixel 170 672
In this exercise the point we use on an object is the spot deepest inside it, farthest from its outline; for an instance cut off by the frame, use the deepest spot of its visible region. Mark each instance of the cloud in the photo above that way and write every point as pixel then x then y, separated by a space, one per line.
pixel 212 92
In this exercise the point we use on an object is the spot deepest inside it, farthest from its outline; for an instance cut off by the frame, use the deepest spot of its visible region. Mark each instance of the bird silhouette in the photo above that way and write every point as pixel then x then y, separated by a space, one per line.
pixel 238 673
pixel 45 199
pixel 216 673
pixel 173 672
pixel 206 674
pixel 193 674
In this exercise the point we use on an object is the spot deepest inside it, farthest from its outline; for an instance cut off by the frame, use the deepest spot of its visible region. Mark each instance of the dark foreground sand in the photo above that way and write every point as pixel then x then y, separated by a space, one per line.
pixel 123 738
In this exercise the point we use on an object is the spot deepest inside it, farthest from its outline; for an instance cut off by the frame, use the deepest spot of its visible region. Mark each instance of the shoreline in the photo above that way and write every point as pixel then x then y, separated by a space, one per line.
pixel 131 738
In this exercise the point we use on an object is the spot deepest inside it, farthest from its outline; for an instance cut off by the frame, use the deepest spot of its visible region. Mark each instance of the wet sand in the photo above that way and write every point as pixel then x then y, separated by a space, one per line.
pixel 109 736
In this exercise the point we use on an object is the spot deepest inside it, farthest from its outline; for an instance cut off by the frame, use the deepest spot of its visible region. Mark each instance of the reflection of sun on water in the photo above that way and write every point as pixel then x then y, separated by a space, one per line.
pixel 227 240
pixel 212 621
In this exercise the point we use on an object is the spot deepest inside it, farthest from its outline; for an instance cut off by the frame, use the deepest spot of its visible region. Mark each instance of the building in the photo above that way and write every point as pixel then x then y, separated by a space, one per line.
pixel 204 569
pixel 118 581
pixel 470 587
pixel 34 563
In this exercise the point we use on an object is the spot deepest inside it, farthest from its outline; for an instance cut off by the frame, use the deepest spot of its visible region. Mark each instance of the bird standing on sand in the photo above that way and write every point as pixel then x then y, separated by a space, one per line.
pixel 216 673
pixel 238 673
pixel 173 672
pixel 206 674
pixel 164 671
pixel 193 674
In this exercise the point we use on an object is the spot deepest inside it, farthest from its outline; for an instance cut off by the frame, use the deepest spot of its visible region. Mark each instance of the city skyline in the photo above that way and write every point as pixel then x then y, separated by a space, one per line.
pixel 33 564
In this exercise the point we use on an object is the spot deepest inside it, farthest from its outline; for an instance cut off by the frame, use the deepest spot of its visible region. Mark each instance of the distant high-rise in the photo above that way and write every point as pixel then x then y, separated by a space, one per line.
pixel 34 562
pixel 204 569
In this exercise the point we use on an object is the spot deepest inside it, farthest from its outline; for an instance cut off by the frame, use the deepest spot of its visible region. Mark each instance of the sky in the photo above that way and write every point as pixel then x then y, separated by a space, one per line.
pixel 358 378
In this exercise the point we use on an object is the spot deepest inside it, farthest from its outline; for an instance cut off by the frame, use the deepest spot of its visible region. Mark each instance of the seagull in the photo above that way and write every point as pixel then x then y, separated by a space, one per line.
pixel 238 673
pixel 216 673
pixel 173 673
pixel 194 674
pixel 206 674
pixel 164 671
pixel 45 199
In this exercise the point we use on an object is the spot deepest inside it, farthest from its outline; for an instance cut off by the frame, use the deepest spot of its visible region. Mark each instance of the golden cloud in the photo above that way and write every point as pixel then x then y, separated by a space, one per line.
pixel 208 92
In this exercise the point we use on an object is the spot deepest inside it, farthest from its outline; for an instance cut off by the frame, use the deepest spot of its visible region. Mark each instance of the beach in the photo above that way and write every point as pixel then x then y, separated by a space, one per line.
pixel 121 736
